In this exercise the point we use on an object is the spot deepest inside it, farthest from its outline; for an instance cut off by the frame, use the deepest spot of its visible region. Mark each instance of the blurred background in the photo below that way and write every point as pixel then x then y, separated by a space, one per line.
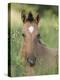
pixel 48 29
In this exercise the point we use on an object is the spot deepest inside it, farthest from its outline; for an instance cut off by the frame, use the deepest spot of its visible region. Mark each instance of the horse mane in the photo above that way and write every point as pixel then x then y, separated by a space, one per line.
pixel 30 17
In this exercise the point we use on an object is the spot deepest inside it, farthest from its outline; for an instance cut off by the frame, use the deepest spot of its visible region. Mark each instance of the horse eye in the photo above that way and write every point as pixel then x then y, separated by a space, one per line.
pixel 23 34
pixel 38 35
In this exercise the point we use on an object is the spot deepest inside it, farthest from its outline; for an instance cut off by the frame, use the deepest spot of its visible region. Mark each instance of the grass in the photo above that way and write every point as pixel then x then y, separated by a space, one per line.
pixel 48 28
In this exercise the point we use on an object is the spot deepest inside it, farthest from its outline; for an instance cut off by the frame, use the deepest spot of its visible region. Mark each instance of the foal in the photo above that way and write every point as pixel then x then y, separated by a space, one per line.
pixel 38 58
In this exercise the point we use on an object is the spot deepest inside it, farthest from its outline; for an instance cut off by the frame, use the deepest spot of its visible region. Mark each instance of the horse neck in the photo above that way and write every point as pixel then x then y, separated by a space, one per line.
pixel 43 50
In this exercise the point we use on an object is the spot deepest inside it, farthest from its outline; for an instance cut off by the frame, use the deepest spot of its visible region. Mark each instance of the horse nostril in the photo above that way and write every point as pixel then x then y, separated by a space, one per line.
pixel 31 61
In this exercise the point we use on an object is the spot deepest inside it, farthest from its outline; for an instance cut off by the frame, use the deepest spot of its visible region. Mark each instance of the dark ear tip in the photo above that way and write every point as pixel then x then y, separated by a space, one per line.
pixel 23 11
pixel 37 17
pixel 23 15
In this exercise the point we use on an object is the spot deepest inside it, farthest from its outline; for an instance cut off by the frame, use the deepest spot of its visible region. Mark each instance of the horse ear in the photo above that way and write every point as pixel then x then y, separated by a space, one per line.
pixel 37 18
pixel 23 15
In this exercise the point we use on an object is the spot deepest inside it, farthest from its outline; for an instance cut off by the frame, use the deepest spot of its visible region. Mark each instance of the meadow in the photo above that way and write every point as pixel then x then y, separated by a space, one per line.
pixel 48 29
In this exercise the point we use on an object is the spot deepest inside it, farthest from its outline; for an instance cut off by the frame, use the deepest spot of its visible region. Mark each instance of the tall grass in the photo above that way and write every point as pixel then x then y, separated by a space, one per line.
pixel 48 28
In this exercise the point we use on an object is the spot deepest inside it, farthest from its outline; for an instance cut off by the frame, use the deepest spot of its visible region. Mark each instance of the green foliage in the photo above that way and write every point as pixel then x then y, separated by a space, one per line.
pixel 34 8
pixel 48 28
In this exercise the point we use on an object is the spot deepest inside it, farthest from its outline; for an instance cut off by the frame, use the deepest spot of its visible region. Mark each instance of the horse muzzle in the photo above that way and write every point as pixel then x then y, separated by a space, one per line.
pixel 31 60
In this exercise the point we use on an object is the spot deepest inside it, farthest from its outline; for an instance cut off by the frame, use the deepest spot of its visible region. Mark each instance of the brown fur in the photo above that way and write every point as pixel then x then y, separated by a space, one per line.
pixel 46 58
